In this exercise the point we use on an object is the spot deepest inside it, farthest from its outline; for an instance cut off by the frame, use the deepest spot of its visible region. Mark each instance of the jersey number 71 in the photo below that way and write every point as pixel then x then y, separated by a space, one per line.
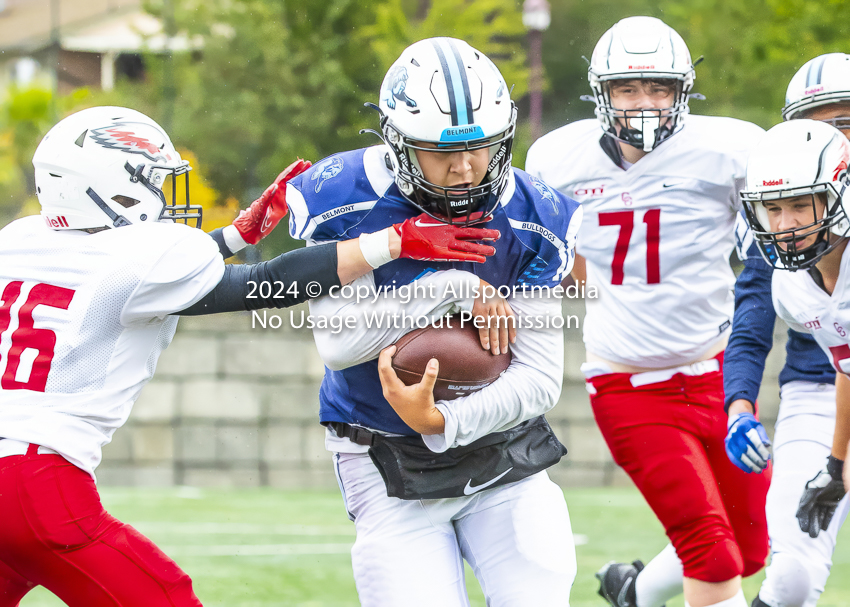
pixel 34 346
pixel 626 219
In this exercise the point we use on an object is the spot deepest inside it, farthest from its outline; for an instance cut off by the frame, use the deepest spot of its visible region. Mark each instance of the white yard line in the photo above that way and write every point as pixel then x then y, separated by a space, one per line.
pixel 156 527
pixel 245 529
pixel 258 550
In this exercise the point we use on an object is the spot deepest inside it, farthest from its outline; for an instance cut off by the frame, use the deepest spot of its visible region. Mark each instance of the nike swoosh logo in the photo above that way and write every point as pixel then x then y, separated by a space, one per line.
pixel 267 221
pixel 668 185
pixel 469 489
pixel 419 223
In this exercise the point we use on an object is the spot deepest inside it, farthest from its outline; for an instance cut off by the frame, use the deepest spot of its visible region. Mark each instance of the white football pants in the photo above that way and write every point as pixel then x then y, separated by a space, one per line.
pixel 799 565
pixel 517 538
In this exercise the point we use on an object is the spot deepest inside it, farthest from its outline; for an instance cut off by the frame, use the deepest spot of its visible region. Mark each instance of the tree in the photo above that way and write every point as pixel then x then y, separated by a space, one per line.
pixel 276 79
pixel 751 49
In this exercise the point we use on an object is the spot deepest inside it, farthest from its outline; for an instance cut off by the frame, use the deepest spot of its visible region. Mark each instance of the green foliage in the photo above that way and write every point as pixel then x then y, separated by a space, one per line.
pixel 273 80
pixel 26 114
pixel 494 27
pixel 24 117
pixel 277 80
pixel 751 49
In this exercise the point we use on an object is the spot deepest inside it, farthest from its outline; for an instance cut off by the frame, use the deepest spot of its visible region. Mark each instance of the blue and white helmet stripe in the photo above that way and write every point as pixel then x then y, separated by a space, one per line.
pixel 457 84
pixel 815 71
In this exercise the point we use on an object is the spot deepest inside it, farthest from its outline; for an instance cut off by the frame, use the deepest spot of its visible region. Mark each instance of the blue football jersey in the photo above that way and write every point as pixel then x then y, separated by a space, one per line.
pixel 354 192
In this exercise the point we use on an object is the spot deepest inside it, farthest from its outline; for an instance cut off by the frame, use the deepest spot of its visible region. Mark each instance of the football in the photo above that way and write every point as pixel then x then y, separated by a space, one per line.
pixel 465 366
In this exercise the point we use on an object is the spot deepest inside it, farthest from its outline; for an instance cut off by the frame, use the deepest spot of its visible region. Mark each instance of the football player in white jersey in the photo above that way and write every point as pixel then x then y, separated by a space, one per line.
pixel 796 205
pixel 800 561
pixel 89 293
pixel 659 189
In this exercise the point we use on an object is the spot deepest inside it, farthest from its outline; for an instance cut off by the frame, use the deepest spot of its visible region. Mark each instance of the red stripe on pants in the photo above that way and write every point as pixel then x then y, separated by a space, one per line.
pixel 668 437
pixel 55 533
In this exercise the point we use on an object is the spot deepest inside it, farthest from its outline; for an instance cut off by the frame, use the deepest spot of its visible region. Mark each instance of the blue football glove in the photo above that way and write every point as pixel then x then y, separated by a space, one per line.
pixel 747 443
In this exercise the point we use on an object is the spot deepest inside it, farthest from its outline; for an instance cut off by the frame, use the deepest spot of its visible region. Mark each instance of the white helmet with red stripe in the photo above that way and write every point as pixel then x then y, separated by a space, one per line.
pixel 799 158
pixel 642 48
pixel 105 167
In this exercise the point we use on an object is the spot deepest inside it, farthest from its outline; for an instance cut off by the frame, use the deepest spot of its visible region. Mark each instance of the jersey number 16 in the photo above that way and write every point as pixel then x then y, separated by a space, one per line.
pixel 33 346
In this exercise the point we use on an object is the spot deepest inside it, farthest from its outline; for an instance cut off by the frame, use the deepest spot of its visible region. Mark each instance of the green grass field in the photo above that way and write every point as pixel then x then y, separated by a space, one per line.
pixel 265 547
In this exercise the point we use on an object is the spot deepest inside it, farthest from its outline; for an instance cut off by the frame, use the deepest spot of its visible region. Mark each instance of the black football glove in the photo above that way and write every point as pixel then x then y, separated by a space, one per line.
pixel 821 497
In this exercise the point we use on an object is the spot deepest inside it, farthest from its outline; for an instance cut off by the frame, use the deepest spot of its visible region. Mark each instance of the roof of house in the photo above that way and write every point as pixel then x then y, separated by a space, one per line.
pixel 84 25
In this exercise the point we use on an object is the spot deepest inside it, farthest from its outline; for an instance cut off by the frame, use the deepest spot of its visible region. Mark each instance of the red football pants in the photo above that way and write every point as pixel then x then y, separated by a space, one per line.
pixel 55 533
pixel 668 437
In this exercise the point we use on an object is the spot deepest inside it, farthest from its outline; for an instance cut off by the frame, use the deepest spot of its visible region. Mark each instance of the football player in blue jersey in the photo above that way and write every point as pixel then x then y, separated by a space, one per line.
pixel 429 484
pixel 801 558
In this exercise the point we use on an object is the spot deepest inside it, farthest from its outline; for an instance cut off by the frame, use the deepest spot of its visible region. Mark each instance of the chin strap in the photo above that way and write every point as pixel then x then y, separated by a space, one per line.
pixel 118 221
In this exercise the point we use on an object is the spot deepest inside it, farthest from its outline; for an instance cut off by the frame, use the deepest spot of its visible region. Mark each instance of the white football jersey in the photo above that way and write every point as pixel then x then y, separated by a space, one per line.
pixel 807 308
pixel 83 320
pixel 657 237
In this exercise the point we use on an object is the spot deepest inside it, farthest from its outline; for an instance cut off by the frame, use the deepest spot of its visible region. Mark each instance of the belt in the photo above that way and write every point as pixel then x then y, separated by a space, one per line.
pixel 9 447
pixel 654 377
pixel 595 369
pixel 361 436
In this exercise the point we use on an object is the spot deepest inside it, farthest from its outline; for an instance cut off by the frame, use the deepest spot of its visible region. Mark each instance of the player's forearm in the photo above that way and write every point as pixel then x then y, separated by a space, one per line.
pixel 218 235
pixel 530 387
pixel 842 417
pixel 374 323
pixel 579 271
pixel 292 278
pixel 741 406
pixel 352 263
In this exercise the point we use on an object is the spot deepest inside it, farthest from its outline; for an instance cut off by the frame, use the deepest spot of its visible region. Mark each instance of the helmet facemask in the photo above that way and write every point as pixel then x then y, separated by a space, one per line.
pixel 642 128
pixel 830 224
pixel 159 179
pixel 443 96
pixel 452 204
pixel 835 114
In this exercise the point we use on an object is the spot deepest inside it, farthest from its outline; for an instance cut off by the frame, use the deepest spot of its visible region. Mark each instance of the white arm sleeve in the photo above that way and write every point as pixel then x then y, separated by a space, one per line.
pixel 781 311
pixel 432 296
pixel 530 386
pixel 187 270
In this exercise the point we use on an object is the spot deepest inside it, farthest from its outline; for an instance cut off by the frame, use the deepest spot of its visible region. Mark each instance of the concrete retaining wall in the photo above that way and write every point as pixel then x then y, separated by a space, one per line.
pixel 236 406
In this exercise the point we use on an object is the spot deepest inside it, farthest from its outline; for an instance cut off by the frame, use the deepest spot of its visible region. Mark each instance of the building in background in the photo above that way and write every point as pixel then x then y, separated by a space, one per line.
pixel 78 43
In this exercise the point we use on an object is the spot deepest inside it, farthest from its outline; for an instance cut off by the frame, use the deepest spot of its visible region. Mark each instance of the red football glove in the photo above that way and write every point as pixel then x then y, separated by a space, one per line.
pixel 427 239
pixel 258 220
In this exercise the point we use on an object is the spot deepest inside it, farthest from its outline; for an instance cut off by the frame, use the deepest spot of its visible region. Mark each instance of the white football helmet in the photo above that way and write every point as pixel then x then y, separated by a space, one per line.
pixel 443 92
pixel 799 158
pixel 104 167
pixel 648 48
pixel 822 81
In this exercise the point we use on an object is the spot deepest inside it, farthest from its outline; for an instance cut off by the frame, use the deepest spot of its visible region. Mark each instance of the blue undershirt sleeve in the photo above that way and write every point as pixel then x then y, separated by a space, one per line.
pixel 752 332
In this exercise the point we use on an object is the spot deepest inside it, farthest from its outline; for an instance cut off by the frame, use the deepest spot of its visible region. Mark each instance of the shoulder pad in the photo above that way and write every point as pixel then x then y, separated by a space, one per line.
pixel 546 222
pixel 336 193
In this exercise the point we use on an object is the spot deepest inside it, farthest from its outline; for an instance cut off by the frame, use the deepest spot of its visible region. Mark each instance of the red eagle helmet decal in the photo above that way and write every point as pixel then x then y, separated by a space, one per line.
pixel 842 166
pixel 129 137
pixel 839 169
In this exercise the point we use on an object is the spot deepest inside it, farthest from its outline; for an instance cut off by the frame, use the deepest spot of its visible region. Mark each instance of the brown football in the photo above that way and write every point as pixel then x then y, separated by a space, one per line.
pixel 465 366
